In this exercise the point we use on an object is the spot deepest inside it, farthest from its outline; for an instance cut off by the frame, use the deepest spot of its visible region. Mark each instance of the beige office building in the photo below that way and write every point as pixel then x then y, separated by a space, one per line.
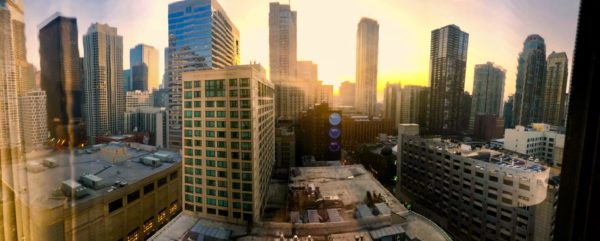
pixel 228 142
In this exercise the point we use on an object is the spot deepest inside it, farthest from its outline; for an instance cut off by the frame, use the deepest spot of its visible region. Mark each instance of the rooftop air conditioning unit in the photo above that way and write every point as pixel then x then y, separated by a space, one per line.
pixel 91 181
pixel 73 189
pixel 151 161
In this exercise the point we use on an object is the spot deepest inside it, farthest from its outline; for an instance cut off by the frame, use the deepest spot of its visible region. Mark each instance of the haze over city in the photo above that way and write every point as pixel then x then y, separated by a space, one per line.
pixel 327 31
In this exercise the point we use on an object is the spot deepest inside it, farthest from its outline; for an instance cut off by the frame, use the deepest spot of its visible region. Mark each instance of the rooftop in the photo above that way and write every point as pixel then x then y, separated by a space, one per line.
pixel 105 166
pixel 345 183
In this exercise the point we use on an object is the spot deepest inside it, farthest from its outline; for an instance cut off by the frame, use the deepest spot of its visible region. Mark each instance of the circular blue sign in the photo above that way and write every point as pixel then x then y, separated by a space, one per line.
pixel 334 146
pixel 335 119
pixel 334 132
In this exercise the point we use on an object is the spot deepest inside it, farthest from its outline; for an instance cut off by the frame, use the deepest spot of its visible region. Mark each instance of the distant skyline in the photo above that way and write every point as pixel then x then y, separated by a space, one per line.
pixel 496 29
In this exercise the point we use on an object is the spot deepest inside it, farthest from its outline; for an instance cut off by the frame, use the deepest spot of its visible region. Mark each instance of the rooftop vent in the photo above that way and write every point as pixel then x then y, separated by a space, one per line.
pixel 73 189
pixel 50 163
pixel 151 161
pixel 91 181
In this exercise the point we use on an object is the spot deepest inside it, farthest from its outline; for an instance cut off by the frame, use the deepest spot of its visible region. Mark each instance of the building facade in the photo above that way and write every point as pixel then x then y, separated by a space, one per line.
pixel 34 120
pixel 367 52
pixel 135 99
pixel 531 73
pixel 104 100
pixel 229 142
pixel 61 70
pixel 392 95
pixel 347 93
pixel 143 61
pixel 555 89
pixel 151 121
pixel 508 112
pixel 448 61
pixel 488 91
pixel 117 191
pixel 201 36
pixel 412 103
pixel 358 130
pixel 475 194
pixel 541 141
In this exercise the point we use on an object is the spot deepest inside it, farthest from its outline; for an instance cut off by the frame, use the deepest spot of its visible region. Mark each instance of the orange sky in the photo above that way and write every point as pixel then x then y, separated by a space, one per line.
pixel 327 31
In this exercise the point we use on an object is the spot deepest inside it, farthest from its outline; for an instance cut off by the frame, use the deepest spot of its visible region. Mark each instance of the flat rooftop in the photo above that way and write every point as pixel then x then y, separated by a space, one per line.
pixel 349 183
pixel 43 182
pixel 498 157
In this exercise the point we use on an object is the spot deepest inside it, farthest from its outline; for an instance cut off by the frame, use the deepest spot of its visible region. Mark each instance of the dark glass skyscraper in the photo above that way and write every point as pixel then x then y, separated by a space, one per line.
pixel 143 60
pixel 531 73
pixel 60 70
pixel 201 36
pixel 448 61
pixel 488 90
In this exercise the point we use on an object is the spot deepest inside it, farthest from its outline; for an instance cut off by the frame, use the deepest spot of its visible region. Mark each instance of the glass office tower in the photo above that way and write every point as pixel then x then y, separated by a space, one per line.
pixel 201 36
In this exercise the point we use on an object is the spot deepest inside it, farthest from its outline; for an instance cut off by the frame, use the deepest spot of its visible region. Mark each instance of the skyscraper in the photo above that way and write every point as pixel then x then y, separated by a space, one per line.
pixel 448 61
pixel 60 70
pixel 33 119
pixel 143 60
pixel 488 90
pixel 531 73
pixel 201 37
pixel 290 95
pixel 367 47
pixel 391 102
pixel 555 89
pixel 508 112
pixel 229 142
pixel 346 95
pixel 411 104
pixel 103 84
pixel 307 76
pixel 10 133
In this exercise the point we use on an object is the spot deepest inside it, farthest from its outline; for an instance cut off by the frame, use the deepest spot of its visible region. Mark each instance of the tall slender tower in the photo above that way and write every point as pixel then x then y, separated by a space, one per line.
pixel 448 61
pixel 367 47
pixel 103 86
pixel 143 60
pixel 290 96
pixel 531 75
pixel 229 142
pixel 201 37
pixel 60 70
pixel 391 102
pixel 488 90
pixel 555 90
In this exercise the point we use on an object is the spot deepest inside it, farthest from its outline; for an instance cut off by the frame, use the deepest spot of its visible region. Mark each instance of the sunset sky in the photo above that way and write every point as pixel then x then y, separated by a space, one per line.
pixel 327 31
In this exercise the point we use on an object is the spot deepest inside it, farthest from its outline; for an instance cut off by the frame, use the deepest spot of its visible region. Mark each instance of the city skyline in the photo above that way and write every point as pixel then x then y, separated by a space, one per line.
pixel 497 41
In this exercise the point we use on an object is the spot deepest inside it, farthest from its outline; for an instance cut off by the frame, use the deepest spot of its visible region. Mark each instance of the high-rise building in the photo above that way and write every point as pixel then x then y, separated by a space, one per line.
pixel 555 89
pixel 160 97
pixel 282 42
pixel 228 142
pixel 541 141
pixel 347 93
pixel 367 50
pixel 508 112
pixel 465 109
pixel 325 94
pixel 143 61
pixel 488 91
pixel 33 119
pixel 448 62
pixel 135 99
pixel 319 135
pixel 531 73
pixel 218 47
pixel 473 193
pixel 291 89
pixel 127 80
pixel 411 104
pixel 359 129
pixel 151 121
pixel 391 102
pixel 103 83
pixel 61 70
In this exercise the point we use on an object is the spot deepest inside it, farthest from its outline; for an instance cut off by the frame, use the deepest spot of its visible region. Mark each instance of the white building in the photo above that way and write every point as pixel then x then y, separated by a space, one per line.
pixel 151 120
pixel 33 119
pixel 542 141
pixel 135 99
